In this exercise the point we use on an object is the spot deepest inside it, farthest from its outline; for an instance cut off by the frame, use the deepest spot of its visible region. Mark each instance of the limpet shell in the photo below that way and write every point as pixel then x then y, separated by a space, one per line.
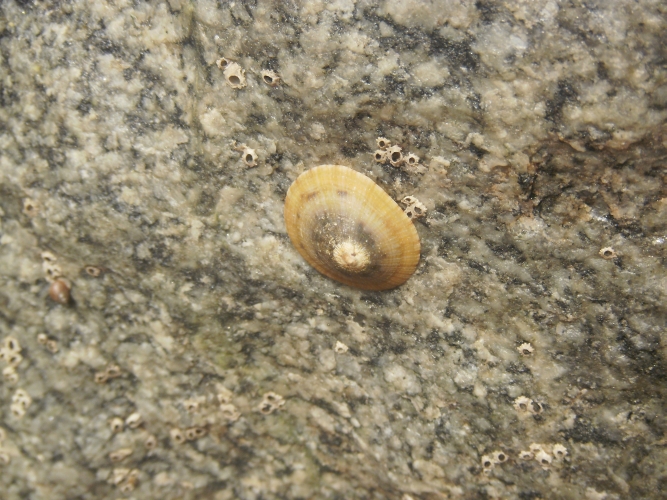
pixel 349 229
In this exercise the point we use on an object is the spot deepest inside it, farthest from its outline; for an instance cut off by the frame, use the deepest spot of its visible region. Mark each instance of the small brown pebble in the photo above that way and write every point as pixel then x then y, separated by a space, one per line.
pixel 59 291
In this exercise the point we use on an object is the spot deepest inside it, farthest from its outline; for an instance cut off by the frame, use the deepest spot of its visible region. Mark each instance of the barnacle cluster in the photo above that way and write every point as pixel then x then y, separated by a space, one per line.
pixel 414 209
pixel 111 371
pixel 21 401
pixel 526 407
pixel 235 74
pixel 59 290
pixel 10 353
pixel 204 414
pixel 544 455
pixel 270 403
pixel 125 479
pixel 394 155
pixel 227 409
pixel 180 436
pixel 495 458
pixel 540 453
pixel 49 343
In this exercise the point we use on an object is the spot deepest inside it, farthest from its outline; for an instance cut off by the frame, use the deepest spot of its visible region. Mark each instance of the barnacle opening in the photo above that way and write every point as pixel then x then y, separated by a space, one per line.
pixel 249 157
pixel 383 143
pixel 395 155
pixel 412 159
pixel 235 75
pixel 93 271
pixel 271 78
pixel 607 253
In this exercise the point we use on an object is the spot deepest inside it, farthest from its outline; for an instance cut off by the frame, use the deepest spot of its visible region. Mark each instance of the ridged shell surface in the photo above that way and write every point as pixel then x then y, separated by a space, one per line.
pixel 349 229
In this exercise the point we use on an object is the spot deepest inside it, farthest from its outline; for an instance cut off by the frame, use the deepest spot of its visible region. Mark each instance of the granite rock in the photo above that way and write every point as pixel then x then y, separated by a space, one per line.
pixel 201 357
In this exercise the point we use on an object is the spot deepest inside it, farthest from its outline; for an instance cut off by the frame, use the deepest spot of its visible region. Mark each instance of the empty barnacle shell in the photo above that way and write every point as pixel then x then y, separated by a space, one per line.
pixel 30 207
pixel 249 157
pixel 349 229
pixel 222 63
pixel 607 253
pixel 271 78
pixel 93 271
pixel 395 156
pixel 383 142
pixel 380 156
pixel 235 75
pixel 412 159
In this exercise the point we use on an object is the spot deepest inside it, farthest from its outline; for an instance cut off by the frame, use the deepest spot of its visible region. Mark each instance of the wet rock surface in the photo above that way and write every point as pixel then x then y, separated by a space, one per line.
pixel 198 356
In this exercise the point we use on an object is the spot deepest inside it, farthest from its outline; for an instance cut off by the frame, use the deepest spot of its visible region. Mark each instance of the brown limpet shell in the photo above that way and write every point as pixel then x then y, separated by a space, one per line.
pixel 350 230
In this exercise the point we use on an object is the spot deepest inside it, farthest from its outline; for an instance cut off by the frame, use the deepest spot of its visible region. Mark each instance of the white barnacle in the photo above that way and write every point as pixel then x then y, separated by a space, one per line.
pixel 134 420
pixel 270 403
pixel 380 156
pixel 235 75
pixel 395 155
pixel 607 253
pixel 249 157
pixel 525 349
pixel 271 78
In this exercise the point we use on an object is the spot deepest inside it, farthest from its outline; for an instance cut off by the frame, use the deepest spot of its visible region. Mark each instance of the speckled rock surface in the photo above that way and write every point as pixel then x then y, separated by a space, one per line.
pixel 201 357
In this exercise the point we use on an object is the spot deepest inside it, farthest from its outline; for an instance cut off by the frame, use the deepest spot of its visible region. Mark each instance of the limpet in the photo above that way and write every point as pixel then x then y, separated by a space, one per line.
pixel 345 226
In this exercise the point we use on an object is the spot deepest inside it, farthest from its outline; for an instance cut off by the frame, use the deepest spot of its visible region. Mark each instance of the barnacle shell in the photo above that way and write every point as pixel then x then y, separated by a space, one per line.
pixel 349 229
pixel 271 78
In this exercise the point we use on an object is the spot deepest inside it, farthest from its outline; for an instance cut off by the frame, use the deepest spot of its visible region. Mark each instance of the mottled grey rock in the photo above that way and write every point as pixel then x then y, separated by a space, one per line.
pixel 540 126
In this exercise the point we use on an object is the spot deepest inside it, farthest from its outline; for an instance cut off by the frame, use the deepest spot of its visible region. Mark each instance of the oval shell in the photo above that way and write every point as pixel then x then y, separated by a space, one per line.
pixel 349 229
pixel 59 291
